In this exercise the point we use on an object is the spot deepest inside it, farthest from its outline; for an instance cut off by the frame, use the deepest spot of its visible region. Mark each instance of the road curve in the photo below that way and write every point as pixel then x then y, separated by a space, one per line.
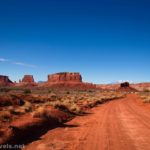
pixel 122 124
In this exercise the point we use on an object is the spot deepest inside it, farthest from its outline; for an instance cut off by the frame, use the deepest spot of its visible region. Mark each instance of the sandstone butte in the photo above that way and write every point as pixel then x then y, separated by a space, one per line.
pixel 70 80
pixel 5 81
pixel 62 79
pixel 28 80
pixel 126 87
pixel 67 79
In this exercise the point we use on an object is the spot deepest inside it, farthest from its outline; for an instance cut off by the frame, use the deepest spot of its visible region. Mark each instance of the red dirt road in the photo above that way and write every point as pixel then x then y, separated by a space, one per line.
pixel 118 125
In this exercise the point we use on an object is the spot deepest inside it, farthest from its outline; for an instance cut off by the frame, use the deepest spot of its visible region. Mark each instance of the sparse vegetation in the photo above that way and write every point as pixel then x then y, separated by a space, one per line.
pixel 27 106
pixel 27 91
pixel 67 92
pixel 146 90
pixel 4 89
pixel 18 111
pixel 51 105
pixel 41 112
pixel 145 98
pixel 5 116
pixel 49 91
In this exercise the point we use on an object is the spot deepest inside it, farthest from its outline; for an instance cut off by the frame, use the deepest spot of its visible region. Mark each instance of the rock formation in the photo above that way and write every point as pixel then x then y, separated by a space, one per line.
pixel 28 79
pixel 125 86
pixel 65 77
pixel 67 80
pixel 5 81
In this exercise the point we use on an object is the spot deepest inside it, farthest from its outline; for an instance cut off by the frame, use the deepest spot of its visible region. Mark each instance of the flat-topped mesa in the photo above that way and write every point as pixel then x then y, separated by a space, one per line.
pixel 28 79
pixel 65 77
pixel 67 80
pixel 5 81
pixel 125 85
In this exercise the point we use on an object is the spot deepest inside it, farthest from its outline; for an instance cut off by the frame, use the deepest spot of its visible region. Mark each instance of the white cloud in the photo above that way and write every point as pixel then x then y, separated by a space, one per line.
pixel 24 64
pixel 3 60
pixel 17 63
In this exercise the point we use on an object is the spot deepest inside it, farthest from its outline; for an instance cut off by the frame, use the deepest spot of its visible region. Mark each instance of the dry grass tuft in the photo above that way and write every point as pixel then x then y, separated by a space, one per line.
pixel 5 116
pixel 42 112
pixel 27 106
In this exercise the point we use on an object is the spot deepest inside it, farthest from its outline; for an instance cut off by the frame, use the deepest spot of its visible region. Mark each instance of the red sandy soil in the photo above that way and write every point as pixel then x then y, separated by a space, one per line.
pixel 122 124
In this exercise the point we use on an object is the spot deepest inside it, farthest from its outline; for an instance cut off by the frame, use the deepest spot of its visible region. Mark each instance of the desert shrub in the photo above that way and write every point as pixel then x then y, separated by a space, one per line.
pixel 18 111
pixel 5 116
pixel 146 90
pixel 5 100
pixel 39 113
pixel 54 97
pixel 82 98
pixel 27 91
pixel 67 92
pixel 42 112
pixel 145 99
pixel 49 91
pixel 68 107
pixel 15 111
pixel 90 91
pixel 27 106
pixel 4 89
pixel 61 106
pixel 76 109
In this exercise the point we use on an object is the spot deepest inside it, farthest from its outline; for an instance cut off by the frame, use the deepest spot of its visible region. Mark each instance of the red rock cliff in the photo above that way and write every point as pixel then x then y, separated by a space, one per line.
pixel 5 81
pixel 65 77
pixel 28 79
pixel 67 80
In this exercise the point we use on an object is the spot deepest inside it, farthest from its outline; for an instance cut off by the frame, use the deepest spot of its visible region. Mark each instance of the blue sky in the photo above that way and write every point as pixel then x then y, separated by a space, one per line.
pixel 104 40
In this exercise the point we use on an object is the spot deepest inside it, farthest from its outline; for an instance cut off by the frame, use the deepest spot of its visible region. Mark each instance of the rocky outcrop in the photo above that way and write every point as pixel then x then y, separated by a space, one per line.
pixel 5 81
pixel 125 86
pixel 67 80
pixel 28 79
pixel 65 77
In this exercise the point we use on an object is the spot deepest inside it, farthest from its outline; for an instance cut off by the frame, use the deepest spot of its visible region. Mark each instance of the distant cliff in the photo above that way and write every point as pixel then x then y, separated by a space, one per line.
pixel 5 81
pixel 67 80
pixel 65 77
